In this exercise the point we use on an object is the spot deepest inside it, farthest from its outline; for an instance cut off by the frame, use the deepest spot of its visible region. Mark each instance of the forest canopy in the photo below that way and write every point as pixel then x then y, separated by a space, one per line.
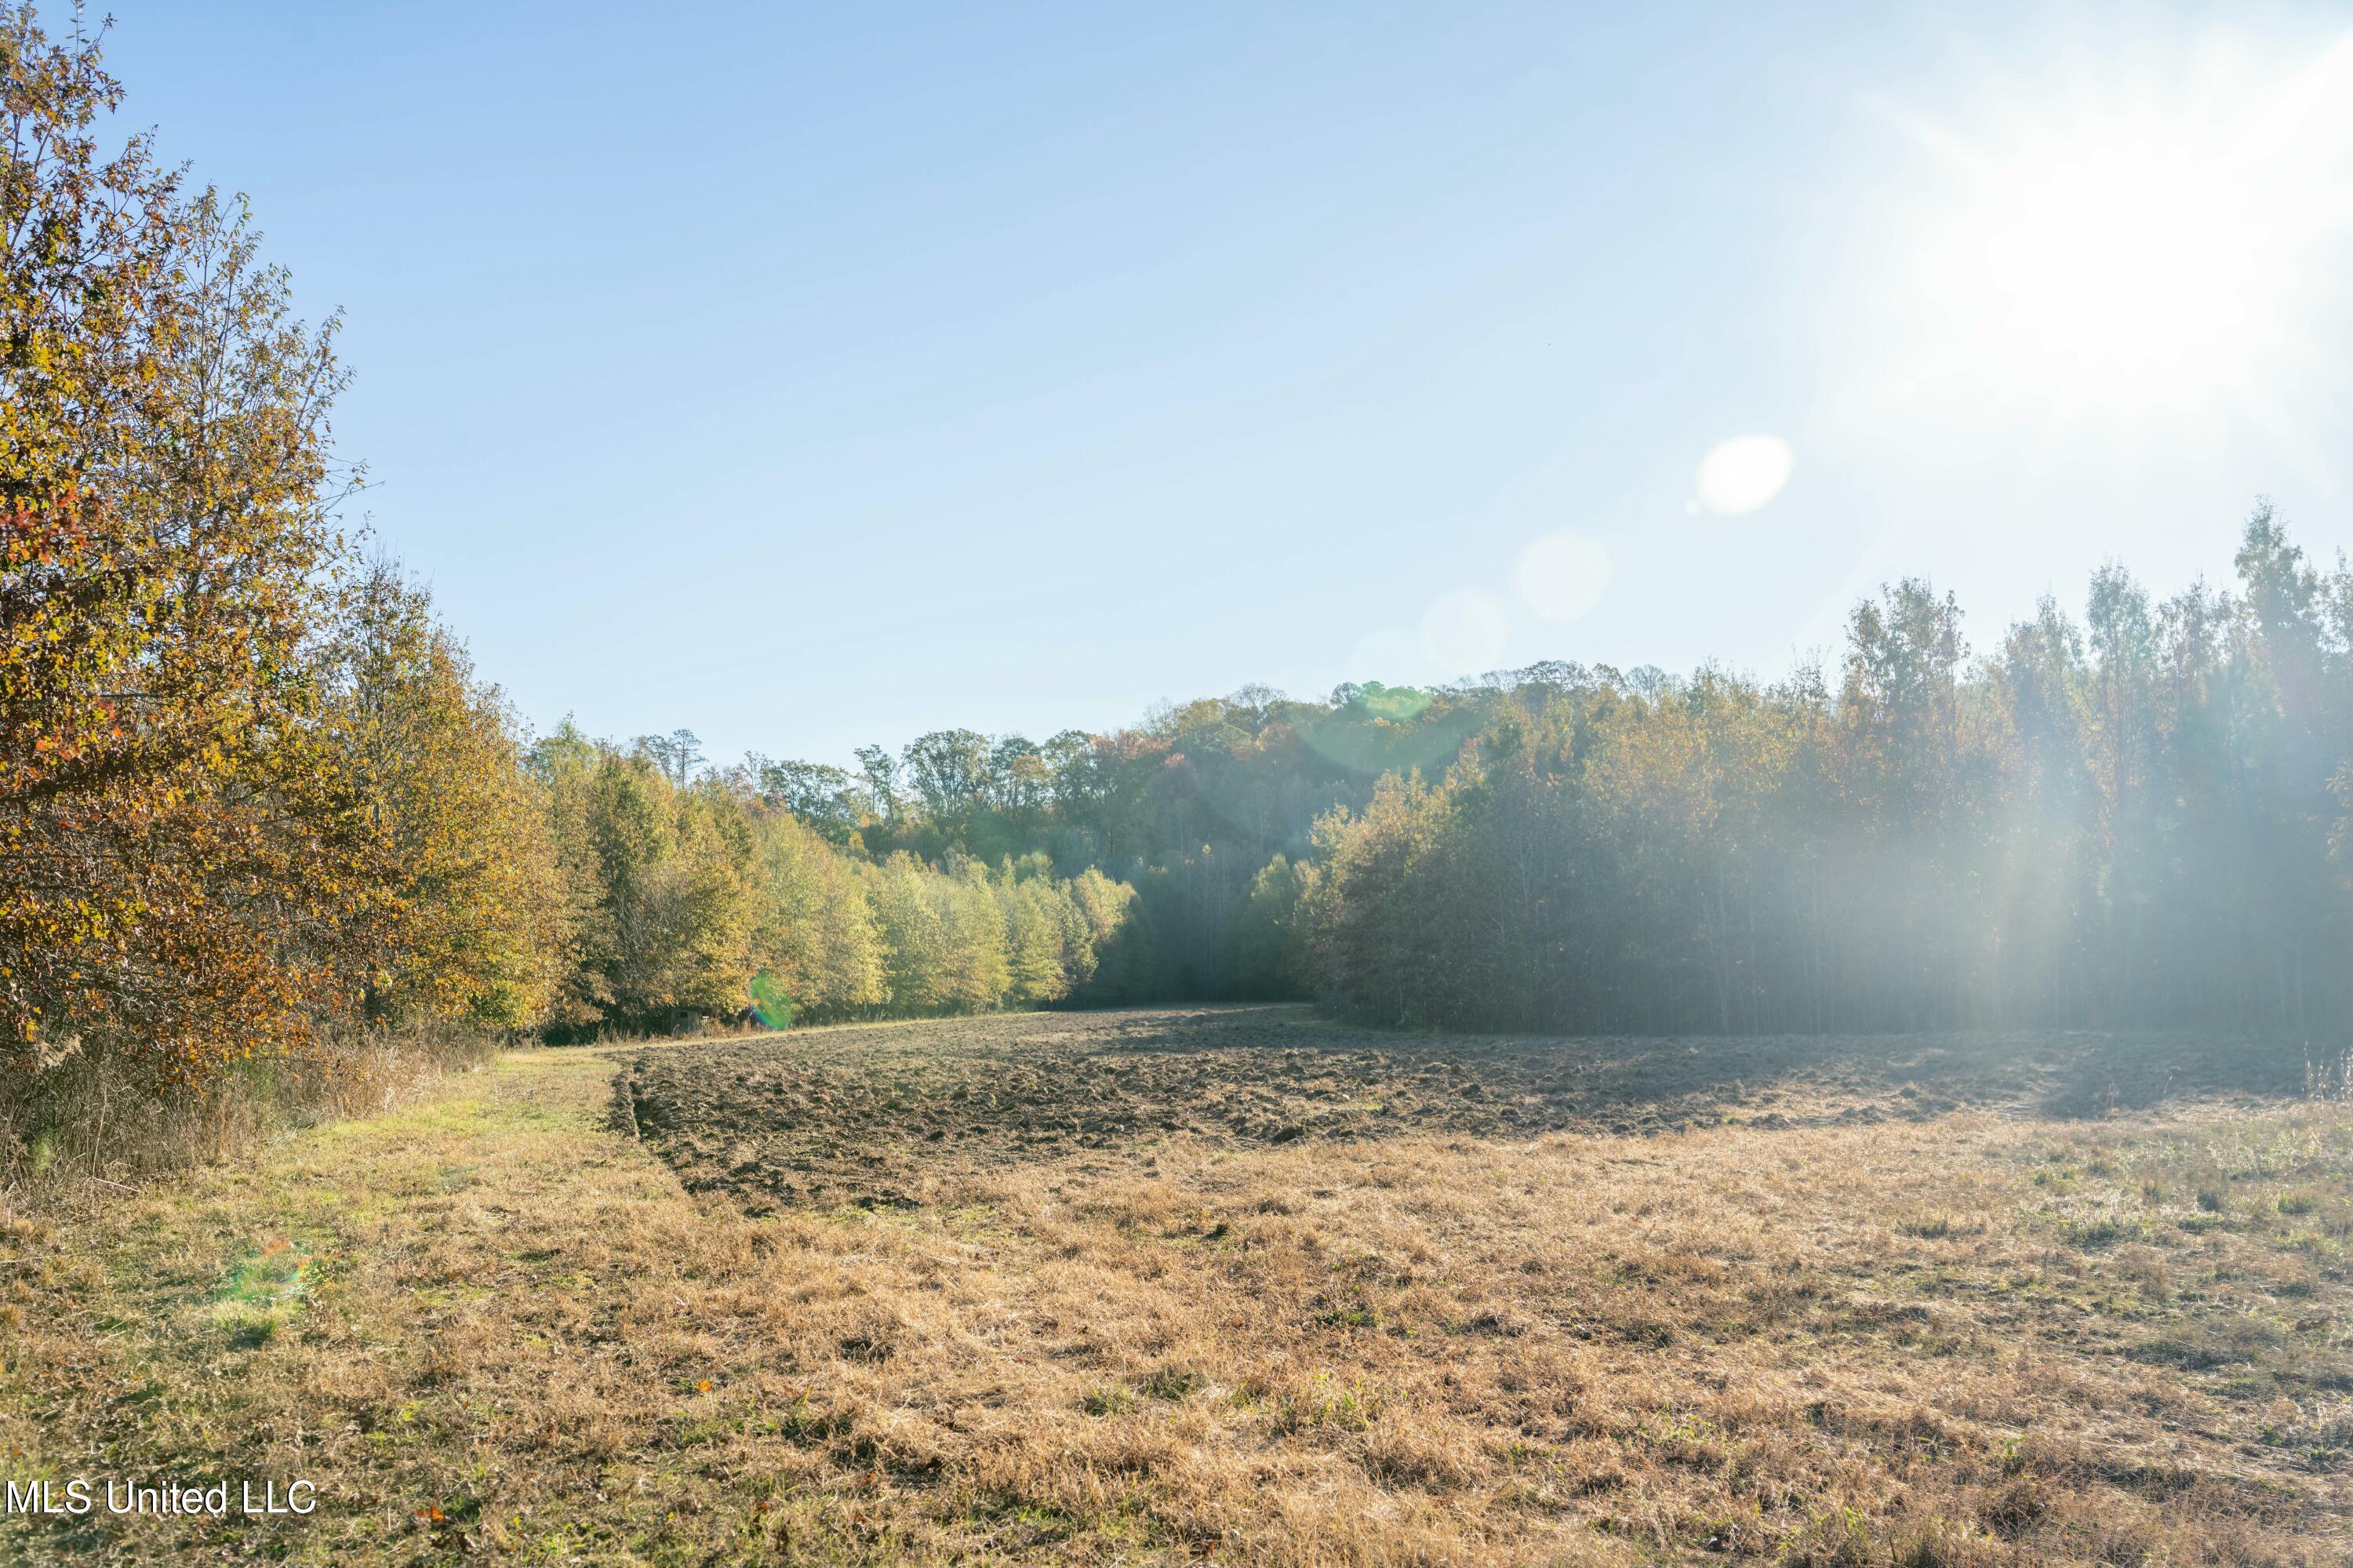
pixel 2135 817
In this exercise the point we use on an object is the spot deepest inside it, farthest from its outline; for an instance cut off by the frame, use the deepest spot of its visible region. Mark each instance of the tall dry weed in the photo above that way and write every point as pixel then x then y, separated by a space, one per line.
pixel 78 1119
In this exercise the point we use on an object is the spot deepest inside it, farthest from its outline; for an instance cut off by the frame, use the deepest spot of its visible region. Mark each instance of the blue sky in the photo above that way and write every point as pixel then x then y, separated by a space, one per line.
pixel 813 376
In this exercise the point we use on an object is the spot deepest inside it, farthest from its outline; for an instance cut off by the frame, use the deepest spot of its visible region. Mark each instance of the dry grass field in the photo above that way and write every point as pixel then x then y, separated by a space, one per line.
pixel 1234 1285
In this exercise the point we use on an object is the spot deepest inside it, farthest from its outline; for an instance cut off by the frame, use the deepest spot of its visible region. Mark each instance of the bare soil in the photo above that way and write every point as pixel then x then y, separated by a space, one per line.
pixel 906 1115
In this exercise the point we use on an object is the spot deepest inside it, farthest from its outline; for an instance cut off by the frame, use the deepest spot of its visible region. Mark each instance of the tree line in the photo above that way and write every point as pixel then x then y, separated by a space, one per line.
pixel 1192 808
pixel 694 896
pixel 2136 819
pixel 252 789
pixel 2137 816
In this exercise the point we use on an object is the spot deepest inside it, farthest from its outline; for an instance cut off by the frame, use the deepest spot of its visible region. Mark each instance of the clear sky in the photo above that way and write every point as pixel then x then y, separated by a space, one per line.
pixel 811 376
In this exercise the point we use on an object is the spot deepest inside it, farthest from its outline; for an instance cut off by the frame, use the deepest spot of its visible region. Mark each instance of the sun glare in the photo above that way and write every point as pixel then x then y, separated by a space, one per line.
pixel 2126 259
pixel 2136 246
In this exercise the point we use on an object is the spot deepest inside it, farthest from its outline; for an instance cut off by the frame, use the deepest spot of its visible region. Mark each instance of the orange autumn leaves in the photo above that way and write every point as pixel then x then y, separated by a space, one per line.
pixel 200 853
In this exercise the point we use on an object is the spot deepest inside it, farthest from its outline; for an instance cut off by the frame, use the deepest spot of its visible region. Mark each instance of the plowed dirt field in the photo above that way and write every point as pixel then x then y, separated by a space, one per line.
pixel 905 1114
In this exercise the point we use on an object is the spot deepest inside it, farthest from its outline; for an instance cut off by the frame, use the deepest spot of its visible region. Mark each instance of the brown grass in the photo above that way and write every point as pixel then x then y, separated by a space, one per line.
pixel 494 1330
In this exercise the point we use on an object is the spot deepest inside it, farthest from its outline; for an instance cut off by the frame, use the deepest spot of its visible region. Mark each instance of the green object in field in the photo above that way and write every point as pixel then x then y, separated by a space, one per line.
pixel 770 1002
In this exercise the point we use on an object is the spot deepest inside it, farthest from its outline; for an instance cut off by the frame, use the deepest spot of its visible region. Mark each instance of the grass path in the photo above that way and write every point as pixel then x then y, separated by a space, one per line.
pixel 488 1328
pixel 381 1306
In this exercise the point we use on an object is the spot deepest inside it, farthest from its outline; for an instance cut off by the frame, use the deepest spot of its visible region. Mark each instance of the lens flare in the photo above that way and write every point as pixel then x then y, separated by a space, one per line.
pixel 1744 473
pixel 770 1002
pixel 1464 631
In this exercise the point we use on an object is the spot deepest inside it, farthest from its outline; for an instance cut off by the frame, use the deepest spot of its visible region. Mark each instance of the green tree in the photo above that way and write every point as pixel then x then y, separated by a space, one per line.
pixel 482 928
